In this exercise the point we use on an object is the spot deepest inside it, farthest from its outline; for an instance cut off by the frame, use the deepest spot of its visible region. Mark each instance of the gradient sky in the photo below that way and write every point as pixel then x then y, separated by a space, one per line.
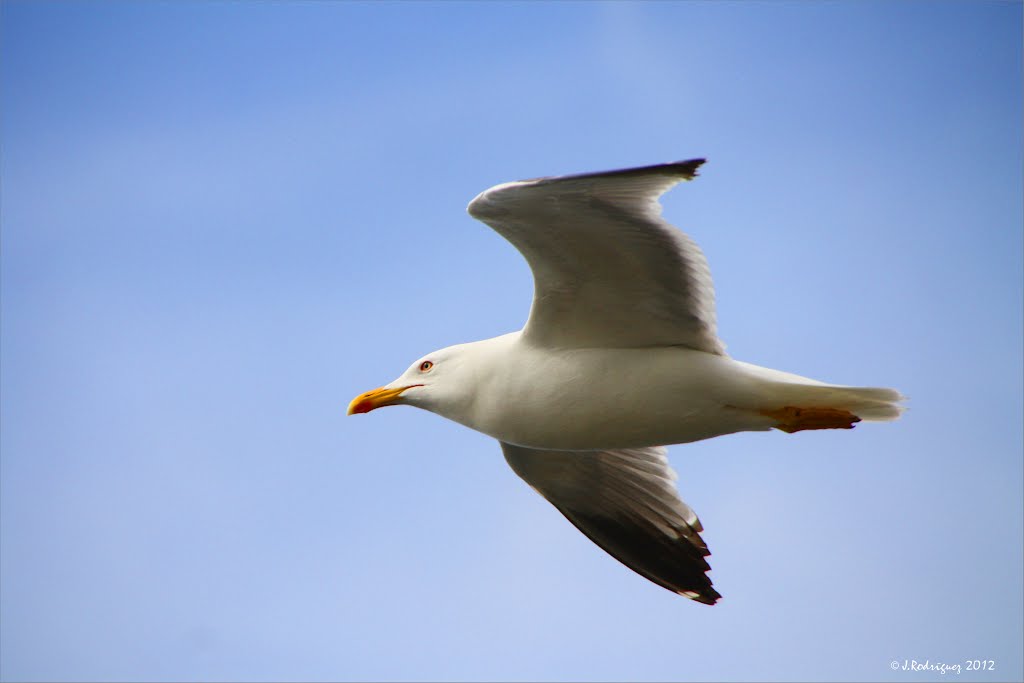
pixel 221 221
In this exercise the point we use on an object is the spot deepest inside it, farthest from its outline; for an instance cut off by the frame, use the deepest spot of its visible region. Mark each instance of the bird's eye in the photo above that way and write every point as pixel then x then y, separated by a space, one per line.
pixel 426 365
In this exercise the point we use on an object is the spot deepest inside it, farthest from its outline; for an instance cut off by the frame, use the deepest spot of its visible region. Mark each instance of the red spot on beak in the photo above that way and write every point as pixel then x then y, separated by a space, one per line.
pixel 361 407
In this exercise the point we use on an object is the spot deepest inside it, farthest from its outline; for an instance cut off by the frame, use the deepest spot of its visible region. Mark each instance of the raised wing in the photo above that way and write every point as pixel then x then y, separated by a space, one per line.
pixel 607 270
pixel 626 502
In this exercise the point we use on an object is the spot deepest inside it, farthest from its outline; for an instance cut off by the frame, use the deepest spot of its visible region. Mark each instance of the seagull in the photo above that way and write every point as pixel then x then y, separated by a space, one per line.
pixel 618 359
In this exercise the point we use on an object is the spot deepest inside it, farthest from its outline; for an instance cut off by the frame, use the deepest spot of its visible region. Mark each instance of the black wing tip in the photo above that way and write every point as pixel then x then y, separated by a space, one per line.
pixel 686 170
pixel 677 565
pixel 677 169
pixel 698 589
pixel 708 596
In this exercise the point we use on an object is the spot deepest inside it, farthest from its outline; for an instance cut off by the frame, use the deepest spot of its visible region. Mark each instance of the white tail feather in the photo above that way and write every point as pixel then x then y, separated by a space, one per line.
pixel 867 403
pixel 779 389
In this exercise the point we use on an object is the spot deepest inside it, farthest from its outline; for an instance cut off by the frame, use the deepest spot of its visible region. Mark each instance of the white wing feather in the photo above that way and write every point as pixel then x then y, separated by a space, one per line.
pixel 608 270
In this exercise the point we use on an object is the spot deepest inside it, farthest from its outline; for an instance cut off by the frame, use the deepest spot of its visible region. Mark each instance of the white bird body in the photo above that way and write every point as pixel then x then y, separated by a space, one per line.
pixel 609 398
pixel 619 357
pixel 617 398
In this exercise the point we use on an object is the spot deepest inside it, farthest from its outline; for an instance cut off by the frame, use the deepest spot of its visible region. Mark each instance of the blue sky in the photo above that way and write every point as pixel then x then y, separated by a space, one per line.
pixel 221 221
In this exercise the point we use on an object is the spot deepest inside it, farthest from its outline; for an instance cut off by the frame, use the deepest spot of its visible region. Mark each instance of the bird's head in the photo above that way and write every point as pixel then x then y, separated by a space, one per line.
pixel 430 383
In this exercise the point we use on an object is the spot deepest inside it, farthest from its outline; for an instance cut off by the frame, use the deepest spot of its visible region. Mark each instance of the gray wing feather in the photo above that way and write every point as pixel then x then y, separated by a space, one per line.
pixel 626 502
pixel 608 270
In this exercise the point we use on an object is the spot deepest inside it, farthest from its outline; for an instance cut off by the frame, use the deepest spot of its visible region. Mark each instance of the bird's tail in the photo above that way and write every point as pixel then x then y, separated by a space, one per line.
pixel 797 403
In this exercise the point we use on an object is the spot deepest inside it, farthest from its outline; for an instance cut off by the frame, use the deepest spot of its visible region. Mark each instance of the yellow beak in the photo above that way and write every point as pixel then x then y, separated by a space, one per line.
pixel 378 398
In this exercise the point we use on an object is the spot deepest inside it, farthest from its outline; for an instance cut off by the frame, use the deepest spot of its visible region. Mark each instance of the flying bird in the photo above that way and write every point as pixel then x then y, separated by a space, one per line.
pixel 619 358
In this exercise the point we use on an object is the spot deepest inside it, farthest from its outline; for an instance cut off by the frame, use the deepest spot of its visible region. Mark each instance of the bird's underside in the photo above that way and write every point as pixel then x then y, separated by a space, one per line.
pixel 619 356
